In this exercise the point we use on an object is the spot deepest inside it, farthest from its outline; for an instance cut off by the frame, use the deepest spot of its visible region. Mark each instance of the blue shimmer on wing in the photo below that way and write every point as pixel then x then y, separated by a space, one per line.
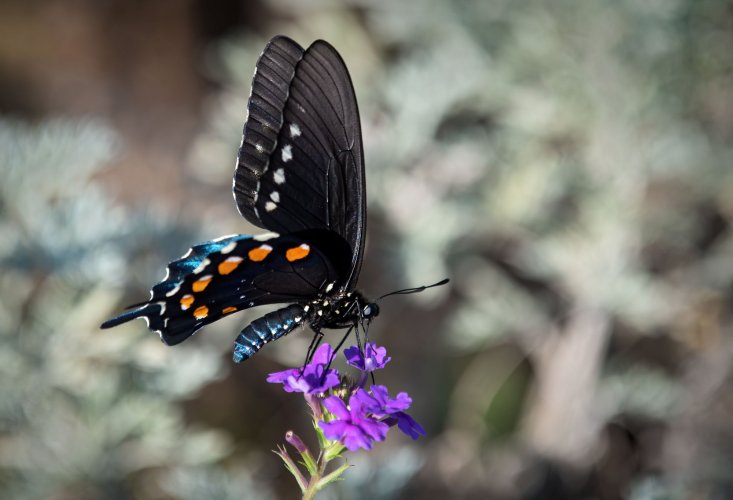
pixel 179 269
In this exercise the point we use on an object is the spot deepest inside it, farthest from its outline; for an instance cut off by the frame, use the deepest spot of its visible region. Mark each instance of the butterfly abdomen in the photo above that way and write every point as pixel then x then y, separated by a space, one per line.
pixel 270 327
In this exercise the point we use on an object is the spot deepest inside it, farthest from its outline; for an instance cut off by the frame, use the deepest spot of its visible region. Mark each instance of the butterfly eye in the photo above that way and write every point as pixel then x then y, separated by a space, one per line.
pixel 370 311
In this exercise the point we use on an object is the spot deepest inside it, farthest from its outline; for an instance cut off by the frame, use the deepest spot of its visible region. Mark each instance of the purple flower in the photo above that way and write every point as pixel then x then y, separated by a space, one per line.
pixel 283 376
pixel 380 404
pixel 373 357
pixel 352 425
pixel 313 378
pixel 406 424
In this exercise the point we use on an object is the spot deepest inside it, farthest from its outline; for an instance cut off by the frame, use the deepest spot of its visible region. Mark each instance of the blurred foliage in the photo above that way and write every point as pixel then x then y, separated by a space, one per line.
pixel 85 414
pixel 566 164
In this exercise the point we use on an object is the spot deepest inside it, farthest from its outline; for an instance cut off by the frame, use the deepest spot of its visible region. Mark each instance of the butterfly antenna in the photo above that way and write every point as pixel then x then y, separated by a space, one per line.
pixel 415 290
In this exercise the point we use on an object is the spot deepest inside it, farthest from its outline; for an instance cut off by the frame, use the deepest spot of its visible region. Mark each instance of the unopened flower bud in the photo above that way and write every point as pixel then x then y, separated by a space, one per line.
pixel 296 442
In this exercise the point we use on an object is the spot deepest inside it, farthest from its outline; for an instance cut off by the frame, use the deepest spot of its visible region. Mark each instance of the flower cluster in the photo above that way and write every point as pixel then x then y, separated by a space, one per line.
pixel 346 415
pixel 366 415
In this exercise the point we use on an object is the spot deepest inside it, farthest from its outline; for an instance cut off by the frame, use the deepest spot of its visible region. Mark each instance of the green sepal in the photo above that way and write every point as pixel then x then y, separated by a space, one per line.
pixel 333 450
pixel 290 465
pixel 309 462
pixel 323 441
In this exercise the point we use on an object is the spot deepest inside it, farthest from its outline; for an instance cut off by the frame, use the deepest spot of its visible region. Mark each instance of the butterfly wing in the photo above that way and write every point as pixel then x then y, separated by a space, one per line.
pixel 220 277
pixel 301 163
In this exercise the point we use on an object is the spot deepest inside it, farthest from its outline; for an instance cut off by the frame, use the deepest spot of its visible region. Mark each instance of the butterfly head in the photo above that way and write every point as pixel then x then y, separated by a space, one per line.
pixel 370 311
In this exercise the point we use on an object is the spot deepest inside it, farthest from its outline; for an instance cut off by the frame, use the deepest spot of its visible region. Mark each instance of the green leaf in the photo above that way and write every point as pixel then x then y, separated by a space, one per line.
pixel 332 477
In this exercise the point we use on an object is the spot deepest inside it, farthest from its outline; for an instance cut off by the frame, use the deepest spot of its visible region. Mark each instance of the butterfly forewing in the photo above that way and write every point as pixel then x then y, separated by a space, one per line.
pixel 301 165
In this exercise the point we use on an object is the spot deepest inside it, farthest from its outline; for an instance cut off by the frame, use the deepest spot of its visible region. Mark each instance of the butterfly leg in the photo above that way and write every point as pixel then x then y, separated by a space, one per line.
pixel 317 338
pixel 336 350
pixel 343 339
pixel 341 343
pixel 365 326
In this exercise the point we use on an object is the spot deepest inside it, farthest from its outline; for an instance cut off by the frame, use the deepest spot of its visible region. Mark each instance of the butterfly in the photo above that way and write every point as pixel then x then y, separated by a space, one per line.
pixel 300 176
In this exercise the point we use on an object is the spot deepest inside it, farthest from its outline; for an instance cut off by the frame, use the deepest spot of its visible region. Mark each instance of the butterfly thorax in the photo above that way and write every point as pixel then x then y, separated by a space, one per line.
pixel 340 310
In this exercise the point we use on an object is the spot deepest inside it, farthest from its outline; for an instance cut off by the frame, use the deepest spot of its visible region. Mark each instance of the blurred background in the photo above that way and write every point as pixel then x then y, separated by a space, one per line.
pixel 569 165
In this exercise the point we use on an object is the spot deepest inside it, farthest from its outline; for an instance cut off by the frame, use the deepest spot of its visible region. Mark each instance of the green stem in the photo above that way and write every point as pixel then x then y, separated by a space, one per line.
pixel 315 479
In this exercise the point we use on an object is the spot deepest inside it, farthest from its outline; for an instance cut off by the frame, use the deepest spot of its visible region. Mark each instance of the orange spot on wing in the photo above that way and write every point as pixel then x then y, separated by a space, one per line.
pixel 201 312
pixel 228 310
pixel 258 254
pixel 229 265
pixel 297 253
pixel 186 301
pixel 200 284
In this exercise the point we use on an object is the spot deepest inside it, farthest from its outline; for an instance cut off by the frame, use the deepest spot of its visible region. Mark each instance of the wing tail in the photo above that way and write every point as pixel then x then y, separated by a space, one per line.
pixel 147 311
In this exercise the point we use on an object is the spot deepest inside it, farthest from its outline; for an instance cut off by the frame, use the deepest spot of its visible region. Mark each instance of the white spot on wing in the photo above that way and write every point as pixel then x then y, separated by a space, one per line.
pixel 287 153
pixel 294 130
pixel 202 266
pixel 329 287
pixel 231 246
pixel 174 291
pixel 220 238
pixel 162 308
pixel 279 176
pixel 265 236
pixel 275 196
pixel 270 206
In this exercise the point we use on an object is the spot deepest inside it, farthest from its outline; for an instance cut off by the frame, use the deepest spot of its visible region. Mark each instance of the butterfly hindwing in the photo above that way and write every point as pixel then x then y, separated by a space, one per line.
pixel 301 163
pixel 233 273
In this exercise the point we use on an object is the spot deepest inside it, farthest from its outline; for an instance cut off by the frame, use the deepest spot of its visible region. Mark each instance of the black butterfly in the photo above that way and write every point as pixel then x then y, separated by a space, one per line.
pixel 300 174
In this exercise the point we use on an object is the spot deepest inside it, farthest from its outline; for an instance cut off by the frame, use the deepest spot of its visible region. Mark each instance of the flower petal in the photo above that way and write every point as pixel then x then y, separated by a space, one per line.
pixel 356 439
pixel 322 356
pixel 317 380
pixel 408 425
pixel 280 377
pixel 381 404
pixel 374 428
pixel 335 405
pixel 354 357
pixel 375 357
